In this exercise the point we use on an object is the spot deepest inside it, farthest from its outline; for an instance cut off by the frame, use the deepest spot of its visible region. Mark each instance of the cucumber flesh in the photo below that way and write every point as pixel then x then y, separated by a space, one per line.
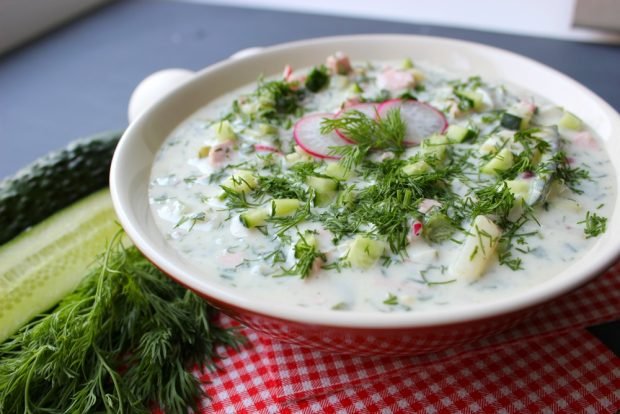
pixel 501 162
pixel 255 217
pixel 45 263
pixel 458 133
pixel 510 121
pixel 364 252
pixel 284 206
pixel 570 121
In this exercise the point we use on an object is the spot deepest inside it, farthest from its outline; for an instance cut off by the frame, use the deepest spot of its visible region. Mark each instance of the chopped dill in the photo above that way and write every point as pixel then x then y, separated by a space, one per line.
pixel 391 300
pixel 595 225
pixel 384 133
pixel 192 219
pixel 568 175
pixel 307 254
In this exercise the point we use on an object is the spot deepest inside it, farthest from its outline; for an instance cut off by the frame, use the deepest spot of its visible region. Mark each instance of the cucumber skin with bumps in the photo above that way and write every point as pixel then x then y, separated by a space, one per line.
pixel 55 181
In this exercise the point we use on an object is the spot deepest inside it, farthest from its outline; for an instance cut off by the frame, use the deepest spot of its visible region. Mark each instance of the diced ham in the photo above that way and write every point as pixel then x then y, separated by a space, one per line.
pixel 287 73
pixel 221 152
pixel 338 63
pixel 231 259
pixel 427 204
pixel 317 265
pixel 395 79
pixel 584 139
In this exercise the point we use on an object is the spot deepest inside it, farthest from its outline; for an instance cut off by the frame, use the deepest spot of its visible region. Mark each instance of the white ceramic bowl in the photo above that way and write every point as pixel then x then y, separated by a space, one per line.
pixel 375 333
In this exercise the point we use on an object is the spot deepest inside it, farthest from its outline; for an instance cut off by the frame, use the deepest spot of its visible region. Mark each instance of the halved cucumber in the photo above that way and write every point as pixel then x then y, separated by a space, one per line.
pixel 45 263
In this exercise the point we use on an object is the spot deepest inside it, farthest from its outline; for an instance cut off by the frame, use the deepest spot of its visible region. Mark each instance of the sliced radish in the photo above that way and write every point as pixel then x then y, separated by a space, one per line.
pixel 422 119
pixel 369 109
pixel 307 134
pixel 266 148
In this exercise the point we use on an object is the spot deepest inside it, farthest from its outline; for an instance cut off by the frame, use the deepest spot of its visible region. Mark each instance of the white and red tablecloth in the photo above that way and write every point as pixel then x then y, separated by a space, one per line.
pixel 549 363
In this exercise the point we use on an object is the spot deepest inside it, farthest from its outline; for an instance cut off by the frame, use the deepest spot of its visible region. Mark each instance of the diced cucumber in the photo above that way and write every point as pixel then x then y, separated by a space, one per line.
pixel 224 131
pixel 356 89
pixel 42 265
pixel 242 181
pixel 364 252
pixel 337 171
pixel 510 121
pixel 267 129
pixel 325 189
pixel 434 147
pixel 570 121
pixel 416 168
pixel 474 97
pixel 519 188
pixel 437 227
pixel 322 184
pixel 477 250
pixel 204 151
pixel 323 199
pixel 284 206
pixel 407 64
pixel 458 133
pixel 502 161
pixel 254 217
pixel 518 116
pixel 346 198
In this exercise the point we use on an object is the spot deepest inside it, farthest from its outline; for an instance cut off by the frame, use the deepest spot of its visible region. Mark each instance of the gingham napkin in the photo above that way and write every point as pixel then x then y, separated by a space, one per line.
pixel 549 363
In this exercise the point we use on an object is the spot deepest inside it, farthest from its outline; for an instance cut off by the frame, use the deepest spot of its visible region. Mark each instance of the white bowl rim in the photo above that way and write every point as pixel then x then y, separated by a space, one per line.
pixel 536 295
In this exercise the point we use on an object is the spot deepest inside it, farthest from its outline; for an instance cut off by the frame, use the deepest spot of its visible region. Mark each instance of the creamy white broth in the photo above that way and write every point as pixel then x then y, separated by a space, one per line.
pixel 184 200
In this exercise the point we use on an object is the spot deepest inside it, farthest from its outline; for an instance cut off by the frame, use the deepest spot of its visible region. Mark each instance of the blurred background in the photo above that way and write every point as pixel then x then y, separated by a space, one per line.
pixel 68 67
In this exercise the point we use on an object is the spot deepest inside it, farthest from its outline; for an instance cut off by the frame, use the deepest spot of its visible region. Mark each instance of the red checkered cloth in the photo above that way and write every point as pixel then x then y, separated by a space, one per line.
pixel 549 363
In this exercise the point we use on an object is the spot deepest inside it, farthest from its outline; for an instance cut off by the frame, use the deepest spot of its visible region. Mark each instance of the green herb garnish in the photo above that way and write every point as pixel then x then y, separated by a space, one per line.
pixel 595 225
pixel 317 79
pixel 391 300
pixel 123 340
pixel 385 133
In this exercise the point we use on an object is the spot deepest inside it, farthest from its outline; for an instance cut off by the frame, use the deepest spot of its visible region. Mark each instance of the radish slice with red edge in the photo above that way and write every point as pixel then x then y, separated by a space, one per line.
pixel 422 119
pixel 368 108
pixel 266 148
pixel 307 134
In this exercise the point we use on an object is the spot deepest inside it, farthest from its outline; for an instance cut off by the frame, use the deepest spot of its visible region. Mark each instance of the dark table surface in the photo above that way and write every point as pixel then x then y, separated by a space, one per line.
pixel 77 80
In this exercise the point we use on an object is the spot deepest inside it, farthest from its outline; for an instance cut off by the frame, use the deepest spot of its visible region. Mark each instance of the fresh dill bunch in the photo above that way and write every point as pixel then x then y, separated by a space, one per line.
pixel 124 340
pixel 385 133
pixel 595 225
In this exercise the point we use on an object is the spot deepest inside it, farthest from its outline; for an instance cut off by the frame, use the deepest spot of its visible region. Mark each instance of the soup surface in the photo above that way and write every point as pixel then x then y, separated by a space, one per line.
pixel 381 186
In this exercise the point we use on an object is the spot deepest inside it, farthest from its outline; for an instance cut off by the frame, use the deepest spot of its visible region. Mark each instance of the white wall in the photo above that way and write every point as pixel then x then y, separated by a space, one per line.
pixel 546 18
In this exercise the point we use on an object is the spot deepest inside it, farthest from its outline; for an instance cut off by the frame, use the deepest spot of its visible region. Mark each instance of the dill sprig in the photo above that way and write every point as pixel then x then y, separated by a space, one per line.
pixel 386 207
pixel 385 133
pixel 567 174
pixel 121 342
pixel 307 254
pixel 595 225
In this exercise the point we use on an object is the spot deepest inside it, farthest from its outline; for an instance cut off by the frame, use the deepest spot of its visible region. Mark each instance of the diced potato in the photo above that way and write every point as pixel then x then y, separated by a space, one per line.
pixel 477 250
